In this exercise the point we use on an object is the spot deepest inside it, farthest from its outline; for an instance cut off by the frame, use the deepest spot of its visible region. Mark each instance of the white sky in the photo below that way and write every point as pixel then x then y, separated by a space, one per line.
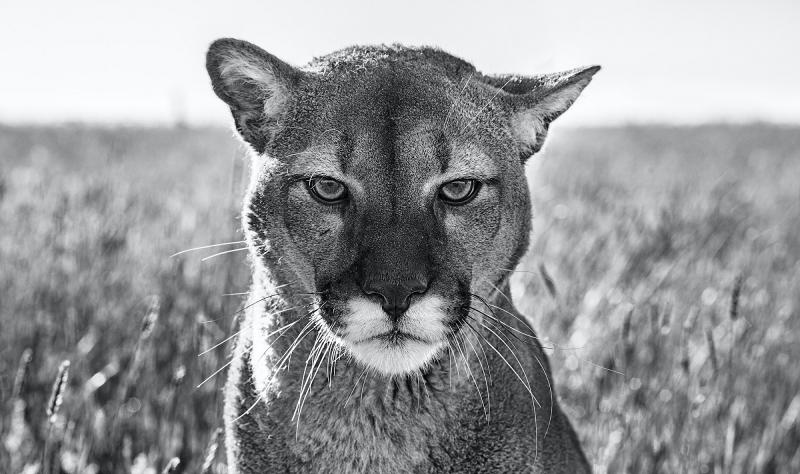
pixel 668 61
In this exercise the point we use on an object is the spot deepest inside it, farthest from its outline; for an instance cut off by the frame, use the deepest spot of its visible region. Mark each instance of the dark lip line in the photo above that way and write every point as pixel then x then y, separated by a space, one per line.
pixel 395 336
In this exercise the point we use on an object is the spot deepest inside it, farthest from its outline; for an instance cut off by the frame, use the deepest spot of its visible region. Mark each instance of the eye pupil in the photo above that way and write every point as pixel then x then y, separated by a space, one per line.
pixel 458 188
pixel 327 187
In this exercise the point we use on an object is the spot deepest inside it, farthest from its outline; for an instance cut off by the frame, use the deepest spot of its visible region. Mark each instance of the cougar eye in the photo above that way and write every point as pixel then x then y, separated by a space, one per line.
pixel 459 191
pixel 327 190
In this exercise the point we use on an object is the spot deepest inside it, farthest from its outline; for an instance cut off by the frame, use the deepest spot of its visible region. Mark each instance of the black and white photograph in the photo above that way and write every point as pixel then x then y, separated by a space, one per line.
pixel 257 237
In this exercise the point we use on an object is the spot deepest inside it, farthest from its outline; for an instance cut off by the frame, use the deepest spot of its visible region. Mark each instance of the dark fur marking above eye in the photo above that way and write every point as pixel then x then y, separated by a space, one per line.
pixel 442 149
pixel 344 150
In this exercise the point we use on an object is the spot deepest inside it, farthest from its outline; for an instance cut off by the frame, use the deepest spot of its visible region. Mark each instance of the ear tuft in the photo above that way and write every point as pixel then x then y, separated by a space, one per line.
pixel 255 85
pixel 537 101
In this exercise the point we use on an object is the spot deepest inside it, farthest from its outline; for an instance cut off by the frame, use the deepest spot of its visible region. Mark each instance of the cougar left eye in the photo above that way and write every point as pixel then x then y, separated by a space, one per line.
pixel 460 191
pixel 327 190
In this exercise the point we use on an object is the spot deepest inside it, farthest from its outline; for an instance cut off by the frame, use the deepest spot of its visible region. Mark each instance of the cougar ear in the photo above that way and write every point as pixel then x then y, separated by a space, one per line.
pixel 255 84
pixel 538 100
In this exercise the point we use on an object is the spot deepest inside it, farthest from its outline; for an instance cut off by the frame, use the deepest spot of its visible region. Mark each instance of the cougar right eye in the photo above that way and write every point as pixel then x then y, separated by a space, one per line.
pixel 327 190
pixel 459 191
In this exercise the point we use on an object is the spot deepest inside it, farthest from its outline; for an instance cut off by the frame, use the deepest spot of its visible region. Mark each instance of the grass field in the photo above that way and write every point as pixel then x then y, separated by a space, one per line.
pixel 664 272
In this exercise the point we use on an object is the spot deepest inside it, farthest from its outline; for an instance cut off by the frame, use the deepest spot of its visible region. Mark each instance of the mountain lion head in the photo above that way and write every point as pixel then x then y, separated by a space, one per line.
pixel 389 183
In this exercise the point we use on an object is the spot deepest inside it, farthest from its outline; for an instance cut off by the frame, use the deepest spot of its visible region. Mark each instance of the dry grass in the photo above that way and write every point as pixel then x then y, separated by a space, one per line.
pixel 665 271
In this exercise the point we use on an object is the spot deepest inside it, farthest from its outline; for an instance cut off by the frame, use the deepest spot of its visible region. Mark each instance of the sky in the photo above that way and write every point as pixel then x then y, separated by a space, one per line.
pixel 673 61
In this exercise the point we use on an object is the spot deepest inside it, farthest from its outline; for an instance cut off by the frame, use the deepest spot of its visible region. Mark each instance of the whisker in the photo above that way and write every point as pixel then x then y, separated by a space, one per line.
pixel 455 101
pixel 269 346
pixel 226 364
pixel 364 386
pixel 525 383
pixel 208 321
pixel 538 361
pixel 249 305
pixel 285 359
pixel 282 330
pixel 219 343
pixel 550 390
pixel 514 354
pixel 485 358
pixel 323 353
pixel 553 346
pixel 329 369
pixel 472 376
pixel 309 383
pixel 602 367
pixel 494 317
pixel 515 271
pixel 312 354
pixel 500 291
pixel 450 363
pixel 355 385
pixel 485 379
pixel 239 331
pixel 527 386
pixel 287 355
pixel 207 247
pixel 261 395
pixel 310 326
pixel 485 105
pixel 250 408
pixel 222 253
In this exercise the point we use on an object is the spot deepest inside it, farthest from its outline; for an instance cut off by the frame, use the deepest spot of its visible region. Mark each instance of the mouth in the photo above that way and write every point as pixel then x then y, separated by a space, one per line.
pixel 395 337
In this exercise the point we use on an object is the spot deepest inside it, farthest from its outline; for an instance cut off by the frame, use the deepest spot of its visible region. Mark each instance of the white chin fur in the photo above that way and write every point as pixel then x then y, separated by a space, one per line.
pixel 394 359
pixel 424 320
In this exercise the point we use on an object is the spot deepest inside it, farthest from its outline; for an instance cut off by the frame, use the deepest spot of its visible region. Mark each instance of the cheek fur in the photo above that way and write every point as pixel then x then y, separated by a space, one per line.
pixel 472 228
pixel 314 229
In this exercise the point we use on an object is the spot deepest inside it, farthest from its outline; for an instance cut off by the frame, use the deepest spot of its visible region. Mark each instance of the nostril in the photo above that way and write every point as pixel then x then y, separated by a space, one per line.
pixel 372 292
pixel 417 287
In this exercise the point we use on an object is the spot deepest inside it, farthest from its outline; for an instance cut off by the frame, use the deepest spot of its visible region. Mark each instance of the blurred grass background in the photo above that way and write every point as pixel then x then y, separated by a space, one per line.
pixel 664 274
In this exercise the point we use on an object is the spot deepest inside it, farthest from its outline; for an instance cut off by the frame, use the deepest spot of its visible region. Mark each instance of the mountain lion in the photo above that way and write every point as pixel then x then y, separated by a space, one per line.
pixel 388 206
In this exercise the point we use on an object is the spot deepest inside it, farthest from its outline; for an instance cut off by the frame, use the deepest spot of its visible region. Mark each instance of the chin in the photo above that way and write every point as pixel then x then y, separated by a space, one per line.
pixel 395 358
pixel 405 347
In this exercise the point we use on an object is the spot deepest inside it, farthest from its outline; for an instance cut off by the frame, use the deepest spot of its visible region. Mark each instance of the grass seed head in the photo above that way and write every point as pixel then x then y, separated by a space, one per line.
pixel 22 372
pixel 211 451
pixel 57 393
pixel 172 466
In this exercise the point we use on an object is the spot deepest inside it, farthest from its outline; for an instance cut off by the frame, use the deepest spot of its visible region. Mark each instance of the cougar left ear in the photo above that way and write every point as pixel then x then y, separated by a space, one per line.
pixel 255 84
pixel 536 101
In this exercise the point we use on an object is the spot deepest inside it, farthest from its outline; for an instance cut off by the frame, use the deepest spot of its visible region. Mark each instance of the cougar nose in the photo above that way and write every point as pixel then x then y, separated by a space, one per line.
pixel 396 295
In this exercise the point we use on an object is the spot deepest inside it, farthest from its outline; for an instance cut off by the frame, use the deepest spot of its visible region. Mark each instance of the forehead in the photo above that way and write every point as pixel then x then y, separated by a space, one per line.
pixel 403 124
pixel 373 154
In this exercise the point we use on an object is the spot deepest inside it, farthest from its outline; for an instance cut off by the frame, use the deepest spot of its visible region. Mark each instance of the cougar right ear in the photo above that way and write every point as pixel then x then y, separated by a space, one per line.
pixel 255 84
pixel 538 100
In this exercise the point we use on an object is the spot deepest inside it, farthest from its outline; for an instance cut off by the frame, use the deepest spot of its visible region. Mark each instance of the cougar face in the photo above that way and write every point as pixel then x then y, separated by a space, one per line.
pixel 394 218
pixel 393 191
